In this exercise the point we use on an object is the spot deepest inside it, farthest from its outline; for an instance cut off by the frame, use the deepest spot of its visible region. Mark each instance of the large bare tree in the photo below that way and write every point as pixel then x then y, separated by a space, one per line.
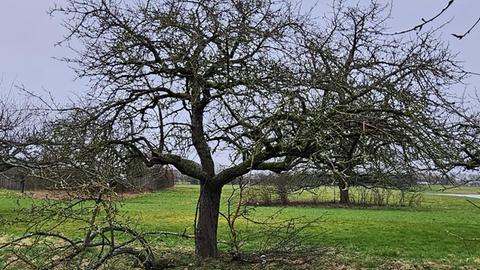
pixel 207 76
pixel 189 82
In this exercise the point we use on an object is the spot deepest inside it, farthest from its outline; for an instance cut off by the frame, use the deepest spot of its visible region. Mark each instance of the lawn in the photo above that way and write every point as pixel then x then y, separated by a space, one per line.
pixel 441 230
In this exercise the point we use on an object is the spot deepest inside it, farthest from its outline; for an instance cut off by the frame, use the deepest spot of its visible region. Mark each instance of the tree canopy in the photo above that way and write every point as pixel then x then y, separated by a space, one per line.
pixel 178 82
pixel 183 83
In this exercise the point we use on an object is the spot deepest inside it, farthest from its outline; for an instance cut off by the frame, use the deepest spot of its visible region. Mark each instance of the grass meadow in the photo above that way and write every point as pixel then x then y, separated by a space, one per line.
pixel 441 233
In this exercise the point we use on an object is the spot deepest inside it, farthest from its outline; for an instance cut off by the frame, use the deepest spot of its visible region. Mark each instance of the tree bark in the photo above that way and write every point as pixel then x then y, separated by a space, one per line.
pixel 344 196
pixel 207 224
pixel 23 185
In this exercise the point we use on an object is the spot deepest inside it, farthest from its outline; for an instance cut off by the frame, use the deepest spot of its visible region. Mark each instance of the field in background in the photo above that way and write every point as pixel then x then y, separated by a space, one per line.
pixel 441 230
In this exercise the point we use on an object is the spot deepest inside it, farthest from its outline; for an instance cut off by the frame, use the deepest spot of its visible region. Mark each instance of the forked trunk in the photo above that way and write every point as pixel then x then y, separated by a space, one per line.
pixel 206 231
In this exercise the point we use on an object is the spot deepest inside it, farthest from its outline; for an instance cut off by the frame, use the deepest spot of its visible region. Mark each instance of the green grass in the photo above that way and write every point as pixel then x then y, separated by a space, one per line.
pixel 440 230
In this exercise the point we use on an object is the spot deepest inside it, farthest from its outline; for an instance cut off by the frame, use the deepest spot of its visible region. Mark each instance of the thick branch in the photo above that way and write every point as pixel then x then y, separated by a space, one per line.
pixel 185 166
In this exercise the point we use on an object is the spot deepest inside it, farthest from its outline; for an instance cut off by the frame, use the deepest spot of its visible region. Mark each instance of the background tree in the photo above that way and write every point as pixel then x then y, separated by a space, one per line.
pixel 80 169
pixel 469 144
pixel 384 108
pixel 16 131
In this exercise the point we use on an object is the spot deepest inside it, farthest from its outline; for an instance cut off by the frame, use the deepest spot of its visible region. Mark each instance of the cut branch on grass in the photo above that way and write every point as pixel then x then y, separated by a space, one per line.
pixel 277 233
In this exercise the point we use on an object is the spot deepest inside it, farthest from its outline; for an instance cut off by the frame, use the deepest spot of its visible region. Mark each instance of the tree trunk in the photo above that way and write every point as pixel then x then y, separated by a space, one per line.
pixel 23 185
pixel 344 196
pixel 206 231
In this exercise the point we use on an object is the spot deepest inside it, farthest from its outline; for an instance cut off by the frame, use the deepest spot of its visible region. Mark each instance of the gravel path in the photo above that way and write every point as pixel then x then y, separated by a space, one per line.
pixel 472 196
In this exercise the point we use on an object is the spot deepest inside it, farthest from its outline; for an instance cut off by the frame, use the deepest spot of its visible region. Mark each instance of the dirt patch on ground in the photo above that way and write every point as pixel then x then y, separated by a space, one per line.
pixel 315 259
pixel 321 259
pixel 401 265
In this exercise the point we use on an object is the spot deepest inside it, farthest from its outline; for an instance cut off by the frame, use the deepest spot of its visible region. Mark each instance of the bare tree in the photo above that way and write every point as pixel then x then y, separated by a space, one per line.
pixel 181 82
pixel 208 76
pixel 16 131
pixel 470 143
pixel 80 169
pixel 384 107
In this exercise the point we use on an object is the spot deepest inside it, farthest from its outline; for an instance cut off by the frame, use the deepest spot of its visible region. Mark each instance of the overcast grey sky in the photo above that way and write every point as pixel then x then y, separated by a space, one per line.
pixel 28 35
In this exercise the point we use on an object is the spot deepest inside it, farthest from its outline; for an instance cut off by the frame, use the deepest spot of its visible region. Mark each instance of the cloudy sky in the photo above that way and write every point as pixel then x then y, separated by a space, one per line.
pixel 28 36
